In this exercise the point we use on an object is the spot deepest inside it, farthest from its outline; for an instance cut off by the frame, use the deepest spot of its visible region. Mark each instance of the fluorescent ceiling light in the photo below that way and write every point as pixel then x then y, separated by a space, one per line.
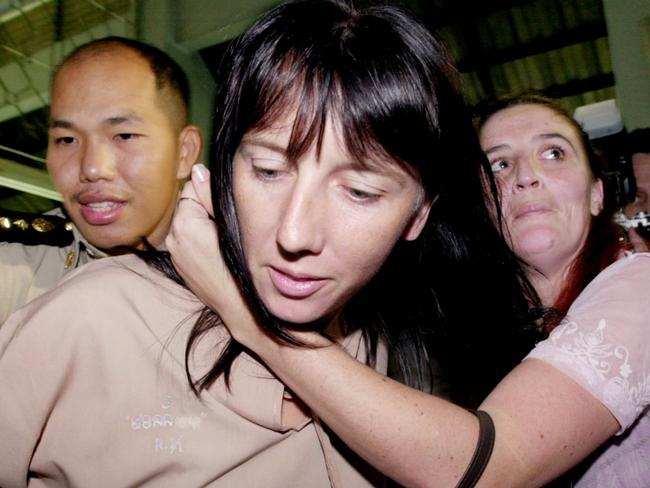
pixel 27 179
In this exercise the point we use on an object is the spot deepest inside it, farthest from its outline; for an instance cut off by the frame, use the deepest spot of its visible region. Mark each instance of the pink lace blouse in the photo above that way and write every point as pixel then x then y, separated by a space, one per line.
pixel 604 345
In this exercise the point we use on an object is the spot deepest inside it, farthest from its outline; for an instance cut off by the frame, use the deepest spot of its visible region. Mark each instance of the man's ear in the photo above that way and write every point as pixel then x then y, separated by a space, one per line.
pixel 419 218
pixel 190 143
pixel 597 197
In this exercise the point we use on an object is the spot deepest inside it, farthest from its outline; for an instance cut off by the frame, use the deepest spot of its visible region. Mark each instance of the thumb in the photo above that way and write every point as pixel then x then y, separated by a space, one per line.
pixel 201 184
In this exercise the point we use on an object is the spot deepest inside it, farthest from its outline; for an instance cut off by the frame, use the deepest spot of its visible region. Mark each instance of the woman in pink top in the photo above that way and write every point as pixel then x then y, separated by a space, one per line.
pixel 581 394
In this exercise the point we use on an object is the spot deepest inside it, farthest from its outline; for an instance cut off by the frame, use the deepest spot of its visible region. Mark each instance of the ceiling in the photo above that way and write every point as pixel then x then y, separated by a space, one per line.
pixel 501 47
pixel 559 47
pixel 504 47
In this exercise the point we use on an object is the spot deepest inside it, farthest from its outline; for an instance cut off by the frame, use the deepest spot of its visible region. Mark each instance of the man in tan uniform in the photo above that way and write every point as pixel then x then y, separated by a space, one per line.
pixel 119 149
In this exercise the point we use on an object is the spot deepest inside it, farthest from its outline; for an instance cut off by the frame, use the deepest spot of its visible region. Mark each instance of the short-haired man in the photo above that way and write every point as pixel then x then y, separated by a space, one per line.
pixel 639 145
pixel 120 147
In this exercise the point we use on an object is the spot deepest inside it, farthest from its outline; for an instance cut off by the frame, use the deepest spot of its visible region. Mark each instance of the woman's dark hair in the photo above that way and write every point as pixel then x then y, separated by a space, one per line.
pixel 457 292
pixel 602 246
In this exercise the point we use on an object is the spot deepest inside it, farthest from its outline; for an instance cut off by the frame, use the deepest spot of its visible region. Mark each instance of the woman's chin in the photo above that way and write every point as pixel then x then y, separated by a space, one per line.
pixel 296 317
pixel 302 318
pixel 534 244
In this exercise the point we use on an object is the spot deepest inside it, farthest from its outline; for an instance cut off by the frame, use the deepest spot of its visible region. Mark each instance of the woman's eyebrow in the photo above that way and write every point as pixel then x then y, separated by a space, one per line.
pixel 556 135
pixel 390 170
pixel 498 147
pixel 260 142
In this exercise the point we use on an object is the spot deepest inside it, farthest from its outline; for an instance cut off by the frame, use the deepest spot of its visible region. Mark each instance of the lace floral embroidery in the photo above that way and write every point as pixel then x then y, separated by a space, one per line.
pixel 590 346
pixel 590 357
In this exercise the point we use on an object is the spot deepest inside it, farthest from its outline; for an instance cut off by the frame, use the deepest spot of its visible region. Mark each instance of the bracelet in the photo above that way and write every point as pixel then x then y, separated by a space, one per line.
pixel 482 452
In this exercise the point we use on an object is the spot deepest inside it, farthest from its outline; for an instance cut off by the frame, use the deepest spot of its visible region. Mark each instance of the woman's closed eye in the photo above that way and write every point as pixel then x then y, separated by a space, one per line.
pixel 267 170
pixel 362 196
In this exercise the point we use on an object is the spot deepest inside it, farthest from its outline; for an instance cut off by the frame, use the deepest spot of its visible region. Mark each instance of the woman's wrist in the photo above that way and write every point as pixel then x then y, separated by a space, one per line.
pixel 274 352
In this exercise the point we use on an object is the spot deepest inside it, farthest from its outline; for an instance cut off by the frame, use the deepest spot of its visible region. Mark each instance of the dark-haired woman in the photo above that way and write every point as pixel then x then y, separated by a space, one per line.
pixel 582 393
pixel 349 200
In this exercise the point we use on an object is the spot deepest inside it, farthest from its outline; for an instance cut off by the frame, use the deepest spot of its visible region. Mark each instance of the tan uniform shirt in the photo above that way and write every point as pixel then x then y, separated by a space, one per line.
pixel 94 393
pixel 29 271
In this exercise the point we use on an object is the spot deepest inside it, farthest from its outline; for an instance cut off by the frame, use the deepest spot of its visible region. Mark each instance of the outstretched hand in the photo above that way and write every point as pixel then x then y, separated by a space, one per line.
pixel 194 247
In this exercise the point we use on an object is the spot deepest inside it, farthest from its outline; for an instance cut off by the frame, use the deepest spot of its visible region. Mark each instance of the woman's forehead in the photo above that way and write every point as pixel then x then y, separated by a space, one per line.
pixel 279 131
pixel 528 121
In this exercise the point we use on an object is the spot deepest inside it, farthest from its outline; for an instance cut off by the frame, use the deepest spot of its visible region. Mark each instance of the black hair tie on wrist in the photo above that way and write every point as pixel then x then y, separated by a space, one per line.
pixel 483 450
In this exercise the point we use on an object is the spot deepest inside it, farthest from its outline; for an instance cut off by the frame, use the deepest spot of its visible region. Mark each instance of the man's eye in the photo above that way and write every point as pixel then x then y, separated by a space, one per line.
pixel 64 141
pixel 126 136
pixel 499 165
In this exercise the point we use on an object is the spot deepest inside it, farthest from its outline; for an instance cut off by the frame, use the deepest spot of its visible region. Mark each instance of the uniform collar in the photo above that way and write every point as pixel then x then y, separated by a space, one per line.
pixel 80 251
pixel 83 246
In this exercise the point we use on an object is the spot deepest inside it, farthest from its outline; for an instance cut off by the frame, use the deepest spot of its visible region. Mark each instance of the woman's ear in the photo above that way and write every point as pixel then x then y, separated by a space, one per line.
pixel 419 218
pixel 597 197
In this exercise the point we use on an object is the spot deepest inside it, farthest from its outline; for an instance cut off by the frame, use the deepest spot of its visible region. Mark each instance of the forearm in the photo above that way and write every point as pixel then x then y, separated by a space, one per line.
pixel 395 428
pixel 545 423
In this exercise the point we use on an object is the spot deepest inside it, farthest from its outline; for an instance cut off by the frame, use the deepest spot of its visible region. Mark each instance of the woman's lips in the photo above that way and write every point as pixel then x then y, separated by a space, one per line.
pixel 295 286
pixel 101 212
pixel 530 210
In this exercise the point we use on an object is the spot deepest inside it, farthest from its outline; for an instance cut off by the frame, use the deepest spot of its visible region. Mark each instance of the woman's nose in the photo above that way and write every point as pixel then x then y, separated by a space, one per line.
pixel 526 175
pixel 303 224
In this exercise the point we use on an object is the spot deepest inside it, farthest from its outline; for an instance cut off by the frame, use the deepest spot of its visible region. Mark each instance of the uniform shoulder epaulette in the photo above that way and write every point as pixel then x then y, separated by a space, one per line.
pixel 35 229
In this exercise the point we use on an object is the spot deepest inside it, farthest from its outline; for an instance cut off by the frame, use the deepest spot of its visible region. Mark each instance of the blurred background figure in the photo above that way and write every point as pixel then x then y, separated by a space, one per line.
pixel 637 211
pixel 625 158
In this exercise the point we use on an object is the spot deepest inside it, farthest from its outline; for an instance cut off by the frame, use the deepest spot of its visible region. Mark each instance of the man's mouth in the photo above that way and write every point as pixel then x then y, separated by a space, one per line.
pixel 102 212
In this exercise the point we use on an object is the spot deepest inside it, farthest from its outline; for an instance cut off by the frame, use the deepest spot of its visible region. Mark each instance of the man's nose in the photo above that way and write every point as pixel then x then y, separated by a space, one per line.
pixel 97 162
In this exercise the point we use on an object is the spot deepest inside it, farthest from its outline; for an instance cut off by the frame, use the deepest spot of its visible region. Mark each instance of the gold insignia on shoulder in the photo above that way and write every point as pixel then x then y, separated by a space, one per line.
pixel 33 229
pixel 21 224
pixel 69 260
pixel 41 225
